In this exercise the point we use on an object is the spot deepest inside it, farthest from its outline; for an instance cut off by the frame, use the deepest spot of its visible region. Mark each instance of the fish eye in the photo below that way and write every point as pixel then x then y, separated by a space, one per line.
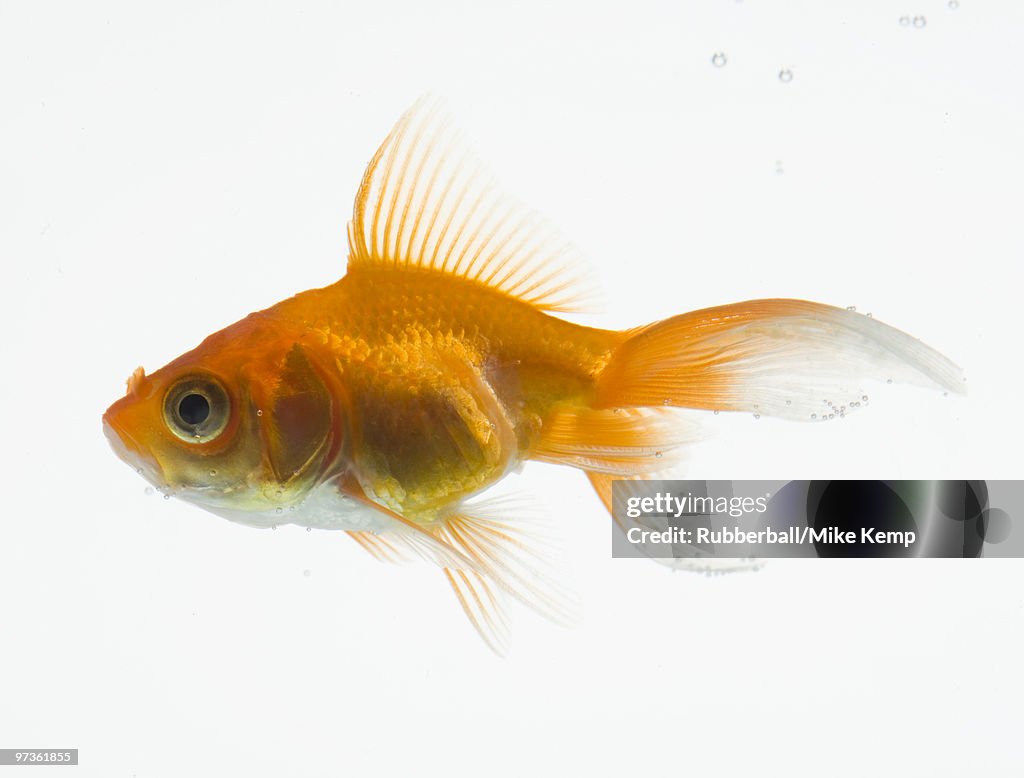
pixel 196 409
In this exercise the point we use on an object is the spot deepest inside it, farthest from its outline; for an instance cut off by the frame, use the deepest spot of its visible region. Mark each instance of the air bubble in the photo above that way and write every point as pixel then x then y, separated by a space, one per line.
pixel 953 5
pixel 785 75
pixel 279 510
pixel 138 470
pixel 213 473
pixel 920 21
pixel 718 59
pixel 831 415
pixel 715 412
pixel 864 397
pixel 814 415
pixel 259 412
pixel 278 493
pixel 306 573
pixel 657 454
pixel 273 526
pixel 309 529
pixel 888 380
pixel 904 21
pixel 869 315
pixel 149 491
pixel 167 496
pixel 851 308
pixel 789 402
pixel 757 415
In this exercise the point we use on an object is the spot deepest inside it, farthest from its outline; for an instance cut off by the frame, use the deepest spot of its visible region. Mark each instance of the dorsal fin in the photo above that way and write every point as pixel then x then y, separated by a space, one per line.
pixel 426 202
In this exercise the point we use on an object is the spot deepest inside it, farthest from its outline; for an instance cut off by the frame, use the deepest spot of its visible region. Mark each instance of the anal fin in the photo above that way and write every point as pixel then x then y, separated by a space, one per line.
pixel 617 441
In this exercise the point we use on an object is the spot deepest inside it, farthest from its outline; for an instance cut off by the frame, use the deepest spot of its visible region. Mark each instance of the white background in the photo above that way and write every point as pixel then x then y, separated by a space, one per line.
pixel 164 170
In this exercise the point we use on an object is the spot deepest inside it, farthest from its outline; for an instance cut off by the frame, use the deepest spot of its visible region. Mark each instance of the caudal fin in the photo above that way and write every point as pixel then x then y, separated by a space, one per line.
pixel 787 358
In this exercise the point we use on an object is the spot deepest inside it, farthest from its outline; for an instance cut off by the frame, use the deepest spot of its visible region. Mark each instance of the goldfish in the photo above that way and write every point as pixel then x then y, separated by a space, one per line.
pixel 385 404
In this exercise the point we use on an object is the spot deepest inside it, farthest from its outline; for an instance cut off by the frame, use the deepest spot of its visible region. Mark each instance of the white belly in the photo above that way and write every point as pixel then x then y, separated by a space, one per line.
pixel 324 508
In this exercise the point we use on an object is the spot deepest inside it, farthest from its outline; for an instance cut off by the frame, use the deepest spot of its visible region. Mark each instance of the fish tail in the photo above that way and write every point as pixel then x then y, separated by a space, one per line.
pixel 785 358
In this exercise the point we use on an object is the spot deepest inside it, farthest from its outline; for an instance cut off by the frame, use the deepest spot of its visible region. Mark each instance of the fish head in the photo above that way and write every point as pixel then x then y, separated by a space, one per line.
pixel 243 425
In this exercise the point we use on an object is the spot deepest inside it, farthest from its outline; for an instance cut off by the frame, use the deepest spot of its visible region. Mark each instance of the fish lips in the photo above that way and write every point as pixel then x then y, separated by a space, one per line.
pixel 128 450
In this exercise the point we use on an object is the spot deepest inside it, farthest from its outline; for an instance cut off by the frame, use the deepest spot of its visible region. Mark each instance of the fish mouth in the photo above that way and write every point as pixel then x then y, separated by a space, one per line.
pixel 129 451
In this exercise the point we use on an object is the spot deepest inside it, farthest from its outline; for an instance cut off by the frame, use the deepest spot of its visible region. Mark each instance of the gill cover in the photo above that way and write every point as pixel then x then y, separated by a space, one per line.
pixel 297 418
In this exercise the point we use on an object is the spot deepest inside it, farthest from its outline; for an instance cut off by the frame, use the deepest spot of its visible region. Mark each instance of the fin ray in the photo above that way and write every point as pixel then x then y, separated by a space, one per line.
pixel 512 555
pixel 617 441
pixel 421 179
pixel 787 358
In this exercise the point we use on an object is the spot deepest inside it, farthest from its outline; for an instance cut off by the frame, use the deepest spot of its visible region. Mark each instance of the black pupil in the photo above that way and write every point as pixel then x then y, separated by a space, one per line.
pixel 194 409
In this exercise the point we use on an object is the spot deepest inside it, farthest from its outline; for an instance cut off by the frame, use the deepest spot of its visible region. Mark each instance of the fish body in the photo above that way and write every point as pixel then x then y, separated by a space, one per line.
pixel 381 404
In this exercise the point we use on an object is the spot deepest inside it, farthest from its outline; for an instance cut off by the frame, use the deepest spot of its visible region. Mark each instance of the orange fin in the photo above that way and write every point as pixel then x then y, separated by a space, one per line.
pixel 403 535
pixel 510 550
pixel 482 607
pixel 378 546
pixel 490 550
pixel 697 562
pixel 425 203
pixel 602 483
pixel 787 358
pixel 619 441
pixel 511 558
